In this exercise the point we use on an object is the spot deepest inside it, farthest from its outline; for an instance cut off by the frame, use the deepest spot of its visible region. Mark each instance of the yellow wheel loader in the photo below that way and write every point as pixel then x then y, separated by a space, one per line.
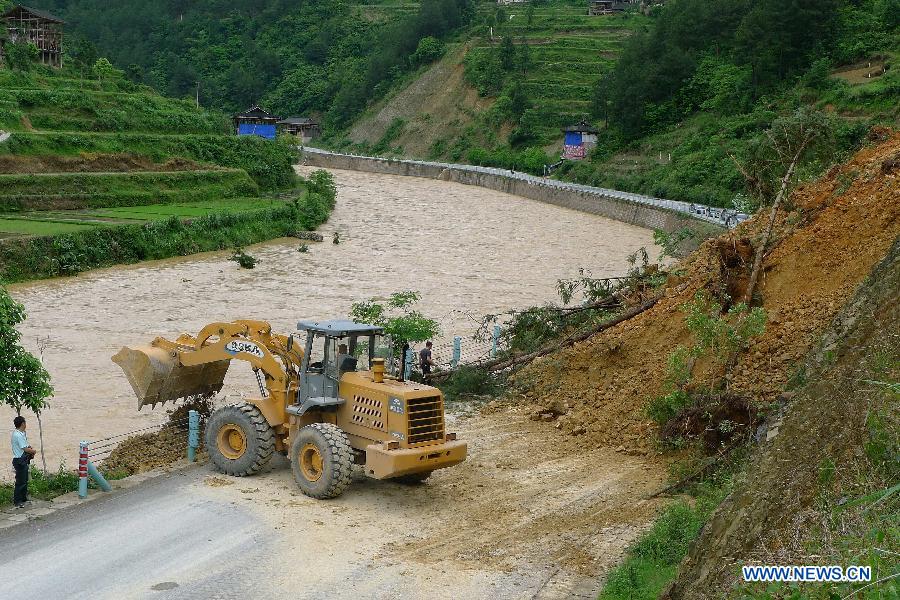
pixel 327 405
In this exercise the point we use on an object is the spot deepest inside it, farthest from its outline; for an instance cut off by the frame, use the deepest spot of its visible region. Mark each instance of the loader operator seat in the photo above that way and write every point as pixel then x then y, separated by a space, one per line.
pixel 347 363
pixel 344 361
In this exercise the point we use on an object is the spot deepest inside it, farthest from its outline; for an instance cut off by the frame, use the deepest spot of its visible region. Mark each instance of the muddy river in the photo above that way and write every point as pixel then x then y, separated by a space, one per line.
pixel 469 251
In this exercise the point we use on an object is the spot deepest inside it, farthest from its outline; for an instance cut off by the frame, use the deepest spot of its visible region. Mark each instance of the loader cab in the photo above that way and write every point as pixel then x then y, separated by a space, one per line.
pixel 333 348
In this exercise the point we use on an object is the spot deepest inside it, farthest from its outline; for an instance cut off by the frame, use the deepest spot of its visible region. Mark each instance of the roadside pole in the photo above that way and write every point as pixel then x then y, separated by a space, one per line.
pixel 82 469
pixel 193 435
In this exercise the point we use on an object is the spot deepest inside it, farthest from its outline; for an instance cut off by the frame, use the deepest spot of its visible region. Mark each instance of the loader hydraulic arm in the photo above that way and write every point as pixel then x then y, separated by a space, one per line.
pixel 190 366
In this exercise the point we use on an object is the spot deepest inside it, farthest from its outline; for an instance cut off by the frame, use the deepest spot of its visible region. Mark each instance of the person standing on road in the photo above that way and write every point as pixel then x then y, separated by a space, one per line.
pixel 22 454
pixel 425 360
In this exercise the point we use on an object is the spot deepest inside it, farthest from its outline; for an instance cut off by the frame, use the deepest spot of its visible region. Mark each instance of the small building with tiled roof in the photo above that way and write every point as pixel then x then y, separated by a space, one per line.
pixel 579 140
pixel 33 26
pixel 256 121
pixel 302 127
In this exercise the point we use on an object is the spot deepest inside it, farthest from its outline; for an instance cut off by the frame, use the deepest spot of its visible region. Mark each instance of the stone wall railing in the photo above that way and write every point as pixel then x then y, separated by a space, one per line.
pixel 644 211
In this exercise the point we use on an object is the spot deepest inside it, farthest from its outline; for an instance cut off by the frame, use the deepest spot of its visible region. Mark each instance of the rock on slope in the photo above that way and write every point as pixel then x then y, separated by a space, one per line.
pixel 838 229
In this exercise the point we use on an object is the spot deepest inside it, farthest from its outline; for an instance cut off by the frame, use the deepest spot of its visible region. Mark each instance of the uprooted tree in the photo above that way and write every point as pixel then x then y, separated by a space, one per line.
pixel 772 163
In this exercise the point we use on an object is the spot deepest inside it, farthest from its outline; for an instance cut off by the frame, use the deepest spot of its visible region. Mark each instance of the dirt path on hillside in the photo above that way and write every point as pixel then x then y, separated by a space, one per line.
pixel 527 516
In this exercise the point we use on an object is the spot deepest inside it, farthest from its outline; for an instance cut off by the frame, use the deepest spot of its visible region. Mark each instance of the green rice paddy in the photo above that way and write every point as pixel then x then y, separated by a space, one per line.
pixel 39 223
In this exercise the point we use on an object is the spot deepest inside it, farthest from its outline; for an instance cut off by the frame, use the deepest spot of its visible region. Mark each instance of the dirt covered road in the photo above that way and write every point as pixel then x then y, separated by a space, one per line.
pixel 524 517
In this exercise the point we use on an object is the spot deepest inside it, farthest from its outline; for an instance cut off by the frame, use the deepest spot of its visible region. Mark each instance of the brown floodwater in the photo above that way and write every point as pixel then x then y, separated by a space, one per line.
pixel 469 251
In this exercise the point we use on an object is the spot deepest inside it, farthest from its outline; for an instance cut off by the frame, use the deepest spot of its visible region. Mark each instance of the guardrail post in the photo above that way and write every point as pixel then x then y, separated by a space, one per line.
pixel 82 469
pixel 457 351
pixel 98 477
pixel 495 340
pixel 407 371
pixel 193 435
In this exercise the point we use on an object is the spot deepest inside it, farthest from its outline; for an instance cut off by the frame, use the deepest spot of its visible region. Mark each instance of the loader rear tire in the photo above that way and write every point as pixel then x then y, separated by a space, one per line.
pixel 239 439
pixel 322 460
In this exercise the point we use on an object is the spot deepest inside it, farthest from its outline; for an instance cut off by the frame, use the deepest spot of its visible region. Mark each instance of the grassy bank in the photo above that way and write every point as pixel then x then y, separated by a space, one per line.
pixel 270 164
pixel 101 246
pixel 93 190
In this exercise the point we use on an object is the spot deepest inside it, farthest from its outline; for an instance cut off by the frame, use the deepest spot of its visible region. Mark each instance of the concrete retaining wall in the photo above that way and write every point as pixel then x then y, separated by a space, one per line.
pixel 651 213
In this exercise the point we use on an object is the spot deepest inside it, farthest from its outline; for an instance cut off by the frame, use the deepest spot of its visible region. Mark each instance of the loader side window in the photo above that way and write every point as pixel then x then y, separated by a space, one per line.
pixel 338 358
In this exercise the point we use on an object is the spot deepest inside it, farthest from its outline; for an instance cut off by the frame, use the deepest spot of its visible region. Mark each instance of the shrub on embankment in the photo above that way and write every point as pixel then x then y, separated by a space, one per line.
pixel 72 253
pixel 269 163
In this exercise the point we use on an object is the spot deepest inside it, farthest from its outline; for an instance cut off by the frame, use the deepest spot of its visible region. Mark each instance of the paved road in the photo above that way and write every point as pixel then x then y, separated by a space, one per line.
pixel 160 540
pixel 522 519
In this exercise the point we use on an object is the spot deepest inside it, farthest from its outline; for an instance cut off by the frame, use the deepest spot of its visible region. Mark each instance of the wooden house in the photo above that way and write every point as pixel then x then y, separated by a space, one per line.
pixel 608 7
pixel 256 121
pixel 302 127
pixel 579 140
pixel 33 26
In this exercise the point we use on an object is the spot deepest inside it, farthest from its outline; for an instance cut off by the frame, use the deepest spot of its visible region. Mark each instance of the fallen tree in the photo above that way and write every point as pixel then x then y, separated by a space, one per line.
pixel 499 364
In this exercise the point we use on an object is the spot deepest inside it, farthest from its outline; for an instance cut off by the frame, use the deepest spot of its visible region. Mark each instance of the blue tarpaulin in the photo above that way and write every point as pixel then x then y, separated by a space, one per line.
pixel 266 131
pixel 573 138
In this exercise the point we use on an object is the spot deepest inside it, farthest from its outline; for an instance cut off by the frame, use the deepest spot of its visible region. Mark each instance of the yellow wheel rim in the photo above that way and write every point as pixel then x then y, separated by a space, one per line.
pixel 310 462
pixel 231 441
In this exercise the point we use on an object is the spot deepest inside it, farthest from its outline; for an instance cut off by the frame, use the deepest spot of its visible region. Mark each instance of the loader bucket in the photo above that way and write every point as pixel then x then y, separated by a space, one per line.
pixel 158 377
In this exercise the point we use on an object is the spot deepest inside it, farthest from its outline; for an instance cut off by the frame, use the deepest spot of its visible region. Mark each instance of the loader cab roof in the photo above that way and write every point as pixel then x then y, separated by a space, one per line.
pixel 339 328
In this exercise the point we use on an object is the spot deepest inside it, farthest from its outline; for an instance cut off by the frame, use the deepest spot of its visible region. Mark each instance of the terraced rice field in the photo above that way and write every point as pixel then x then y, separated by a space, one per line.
pixel 569 51
pixel 38 223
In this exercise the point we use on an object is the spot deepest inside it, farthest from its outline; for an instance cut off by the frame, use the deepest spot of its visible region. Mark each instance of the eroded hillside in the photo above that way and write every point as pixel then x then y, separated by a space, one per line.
pixel 838 228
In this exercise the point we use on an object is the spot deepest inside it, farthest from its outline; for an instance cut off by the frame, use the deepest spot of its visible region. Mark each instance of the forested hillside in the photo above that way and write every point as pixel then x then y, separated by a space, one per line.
pixel 292 56
pixel 680 91
pixel 680 95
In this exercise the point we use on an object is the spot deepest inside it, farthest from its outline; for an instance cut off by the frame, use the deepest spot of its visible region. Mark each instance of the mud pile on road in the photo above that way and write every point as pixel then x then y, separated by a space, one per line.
pixel 826 242
pixel 156 449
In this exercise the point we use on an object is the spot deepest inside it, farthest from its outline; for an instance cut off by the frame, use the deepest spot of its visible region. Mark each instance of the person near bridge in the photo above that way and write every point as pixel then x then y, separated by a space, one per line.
pixel 22 453
pixel 425 360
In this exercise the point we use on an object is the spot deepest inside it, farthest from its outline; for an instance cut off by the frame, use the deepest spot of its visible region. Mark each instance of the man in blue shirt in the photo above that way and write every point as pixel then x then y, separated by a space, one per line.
pixel 22 454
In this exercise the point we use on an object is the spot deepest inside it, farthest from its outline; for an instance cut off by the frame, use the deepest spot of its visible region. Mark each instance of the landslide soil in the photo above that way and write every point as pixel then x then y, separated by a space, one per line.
pixel 787 510
pixel 834 231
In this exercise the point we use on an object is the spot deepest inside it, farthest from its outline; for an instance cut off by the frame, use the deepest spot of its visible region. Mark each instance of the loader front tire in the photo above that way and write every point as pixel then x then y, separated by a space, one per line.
pixel 239 439
pixel 321 460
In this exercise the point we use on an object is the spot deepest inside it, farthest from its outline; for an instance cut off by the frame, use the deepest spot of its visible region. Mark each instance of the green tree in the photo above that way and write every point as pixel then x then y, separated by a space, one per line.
pixel 519 101
pixel 524 56
pixel 429 50
pixel 104 69
pixel 398 317
pixel 20 56
pixel 24 383
pixel 772 164
pixel 507 54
